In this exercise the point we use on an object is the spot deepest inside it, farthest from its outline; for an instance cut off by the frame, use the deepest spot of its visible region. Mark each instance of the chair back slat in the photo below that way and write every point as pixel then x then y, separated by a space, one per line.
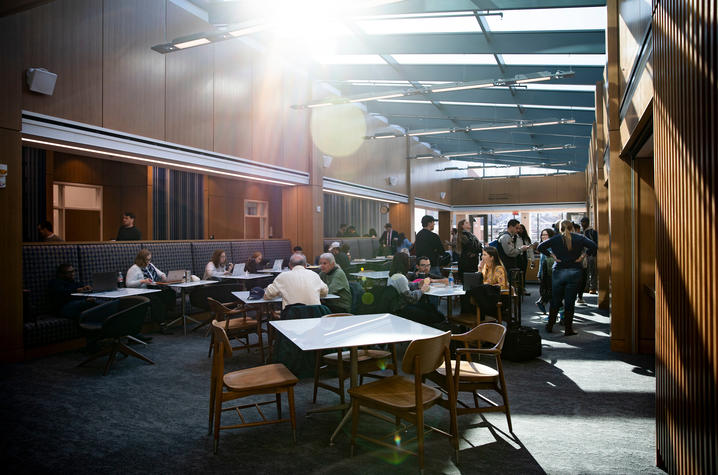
pixel 221 340
pixel 492 333
pixel 431 352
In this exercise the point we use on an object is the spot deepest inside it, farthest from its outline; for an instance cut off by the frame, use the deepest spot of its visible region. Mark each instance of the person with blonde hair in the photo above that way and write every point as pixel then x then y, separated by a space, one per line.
pixel 567 250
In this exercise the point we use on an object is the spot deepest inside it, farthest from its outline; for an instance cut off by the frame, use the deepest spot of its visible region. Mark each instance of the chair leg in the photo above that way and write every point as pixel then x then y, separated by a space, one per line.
pixel 279 405
pixel 420 435
pixel 99 354
pixel 211 345
pixel 130 352
pixel 111 359
pixel 292 413
pixel 260 342
pixel 212 395
pixel 355 425
pixel 340 376
pixel 317 365
pixel 217 418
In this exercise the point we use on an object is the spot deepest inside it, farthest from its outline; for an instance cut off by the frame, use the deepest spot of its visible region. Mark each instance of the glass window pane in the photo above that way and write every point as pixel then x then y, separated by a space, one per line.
pixel 81 197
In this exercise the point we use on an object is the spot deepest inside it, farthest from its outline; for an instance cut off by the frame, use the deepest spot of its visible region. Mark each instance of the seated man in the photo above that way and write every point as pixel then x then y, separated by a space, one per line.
pixel 341 258
pixel 300 285
pixel 59 292
pixel 335 278
pixel 423 270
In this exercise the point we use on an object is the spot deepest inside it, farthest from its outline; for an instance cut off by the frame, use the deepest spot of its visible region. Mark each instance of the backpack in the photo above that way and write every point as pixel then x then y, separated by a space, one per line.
pixel 495 243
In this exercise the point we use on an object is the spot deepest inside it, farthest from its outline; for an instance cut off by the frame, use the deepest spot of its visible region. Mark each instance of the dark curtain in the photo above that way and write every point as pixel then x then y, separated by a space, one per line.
pixel 159 203
pixel 177 205
pixel 33 192
pixel 362 214
pixel 186 205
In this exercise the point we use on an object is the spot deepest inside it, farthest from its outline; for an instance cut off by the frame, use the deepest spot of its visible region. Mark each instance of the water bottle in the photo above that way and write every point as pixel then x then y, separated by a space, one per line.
pixel 186 276
pixel 451 279
pixel 120 280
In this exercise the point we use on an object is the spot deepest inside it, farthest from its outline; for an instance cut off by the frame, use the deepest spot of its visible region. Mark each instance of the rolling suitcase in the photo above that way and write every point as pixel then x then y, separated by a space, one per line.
pixel 521 344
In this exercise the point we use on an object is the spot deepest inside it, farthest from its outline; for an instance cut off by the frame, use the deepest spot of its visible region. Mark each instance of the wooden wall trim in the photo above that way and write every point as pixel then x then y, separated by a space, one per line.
pixel 686 148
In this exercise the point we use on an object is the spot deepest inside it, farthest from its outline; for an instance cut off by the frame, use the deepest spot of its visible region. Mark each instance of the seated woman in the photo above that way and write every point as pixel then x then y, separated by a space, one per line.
pixel 492 269
pixel 217 267
pixel 144 273
pixel 255 263
pixel 409 304
pixel 399 264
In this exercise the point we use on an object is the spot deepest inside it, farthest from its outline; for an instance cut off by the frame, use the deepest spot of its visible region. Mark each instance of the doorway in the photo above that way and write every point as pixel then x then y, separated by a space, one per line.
pixel 479 226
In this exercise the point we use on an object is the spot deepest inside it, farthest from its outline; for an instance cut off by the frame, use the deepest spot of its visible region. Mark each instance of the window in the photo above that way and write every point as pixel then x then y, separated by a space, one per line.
pixel 77 211
pixel 420 213
pixel 256 222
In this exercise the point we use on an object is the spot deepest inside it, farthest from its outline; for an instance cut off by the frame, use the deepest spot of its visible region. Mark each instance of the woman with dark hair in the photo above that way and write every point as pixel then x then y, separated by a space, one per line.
pixel 493 269
pixel 255 263
pixel 399 264
pixel 468 247
pixel 217 266
pixel 523 239
pixel 544 274
pixel 404 244
pixel 371 233
pixel 567 250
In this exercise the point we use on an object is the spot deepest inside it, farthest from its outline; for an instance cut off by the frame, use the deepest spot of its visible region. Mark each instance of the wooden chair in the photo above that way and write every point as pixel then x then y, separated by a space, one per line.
pixel 268 379
pixel 237 325
pixel 472 376
pixel 368 361
pixel 408 398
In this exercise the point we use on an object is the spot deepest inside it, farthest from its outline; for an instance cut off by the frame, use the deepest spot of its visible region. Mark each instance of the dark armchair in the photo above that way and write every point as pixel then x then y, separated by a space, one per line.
pixel 113 321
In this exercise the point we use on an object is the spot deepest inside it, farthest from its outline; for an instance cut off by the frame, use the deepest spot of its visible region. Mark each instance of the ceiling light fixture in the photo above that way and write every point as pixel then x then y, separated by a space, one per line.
pixel 532 77
pixel 383 200
pixel 152 161
pixel 191 43
pixel 477 128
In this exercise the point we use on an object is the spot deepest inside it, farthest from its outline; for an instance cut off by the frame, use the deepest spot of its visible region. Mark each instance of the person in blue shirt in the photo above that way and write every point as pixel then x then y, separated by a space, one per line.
pixel 567 250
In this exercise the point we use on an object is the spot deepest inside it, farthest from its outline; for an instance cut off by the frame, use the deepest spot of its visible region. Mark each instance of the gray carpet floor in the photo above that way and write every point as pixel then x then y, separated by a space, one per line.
pixel 578 409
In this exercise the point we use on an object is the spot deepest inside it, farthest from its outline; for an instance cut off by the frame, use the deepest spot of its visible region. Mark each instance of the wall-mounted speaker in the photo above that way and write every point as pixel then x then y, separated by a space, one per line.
pixel 41 80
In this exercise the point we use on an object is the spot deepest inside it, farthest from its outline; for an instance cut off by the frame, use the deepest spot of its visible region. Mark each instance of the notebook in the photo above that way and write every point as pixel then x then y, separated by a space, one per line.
pixel 472 279
pixel 277 264
pixel 238 269
pixel 104 281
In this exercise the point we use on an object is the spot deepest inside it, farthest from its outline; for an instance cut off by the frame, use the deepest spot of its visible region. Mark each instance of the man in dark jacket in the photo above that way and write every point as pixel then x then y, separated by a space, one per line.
pixel 429 244
pixel 128 231
pixel 59 292
pixel 389 240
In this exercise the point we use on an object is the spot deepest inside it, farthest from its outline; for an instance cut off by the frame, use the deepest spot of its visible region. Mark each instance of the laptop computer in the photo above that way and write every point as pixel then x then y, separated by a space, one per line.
pixel 175 275
pixel 277 264
pixel 238 269
pixel 104 281
pixel 473 279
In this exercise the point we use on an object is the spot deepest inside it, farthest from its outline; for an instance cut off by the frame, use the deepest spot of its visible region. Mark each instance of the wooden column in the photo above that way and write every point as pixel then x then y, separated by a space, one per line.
pixel 401 219
pixel 444 225
pixel 601 224
pixel 685 119
pixel 11 346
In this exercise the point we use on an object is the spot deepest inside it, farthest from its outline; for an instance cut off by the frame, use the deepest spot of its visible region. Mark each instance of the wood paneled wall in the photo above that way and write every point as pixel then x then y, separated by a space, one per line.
pixel 549 189
pixel 225 206
pixel 124 188
pixel 686 149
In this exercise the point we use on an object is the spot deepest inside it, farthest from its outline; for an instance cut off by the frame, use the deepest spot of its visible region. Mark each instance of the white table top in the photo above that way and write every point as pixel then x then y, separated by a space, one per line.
pixel 243 295
pixel 116 294
pixel 445 291
pixel 184 285
pixel 244 276
pixel 357 330
pixel 271 271
pixel 380 274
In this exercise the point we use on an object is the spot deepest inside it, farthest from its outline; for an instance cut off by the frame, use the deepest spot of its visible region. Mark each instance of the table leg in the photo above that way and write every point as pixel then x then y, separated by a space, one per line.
pixel 353 382
pixel 449 306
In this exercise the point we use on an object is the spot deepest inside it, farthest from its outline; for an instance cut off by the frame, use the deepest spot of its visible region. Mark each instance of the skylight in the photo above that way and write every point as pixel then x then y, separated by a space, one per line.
pixel 555 59
pixel 349 59
pixel 454 24
pixel 491 104
pixel 549 19
pixel 444 58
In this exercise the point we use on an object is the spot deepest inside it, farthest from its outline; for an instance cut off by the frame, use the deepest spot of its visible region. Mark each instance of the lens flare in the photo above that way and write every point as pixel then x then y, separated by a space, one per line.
pixel 397 439
pixel 338 130
pixel 367 298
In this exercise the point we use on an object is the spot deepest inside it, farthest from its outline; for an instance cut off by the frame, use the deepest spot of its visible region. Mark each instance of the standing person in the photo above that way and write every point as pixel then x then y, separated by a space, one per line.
pixel 143 274
pixel 46 234
pixel 336 280
pixel 510 248
pixel 592 234
pixel 544 273
pixel 429 244
pixel 128 231
pixel 468 247
pixel 389 241
pixel 453 242
pixel 217 266
pixel 527 256
pixel 567 249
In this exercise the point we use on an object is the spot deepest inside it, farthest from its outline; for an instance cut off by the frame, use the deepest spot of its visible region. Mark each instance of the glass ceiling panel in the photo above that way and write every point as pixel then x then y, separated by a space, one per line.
pixel 549 19
pixel 444 58
pixel 491 104
pixel 555 59
pixel 349 59
pixel 454 24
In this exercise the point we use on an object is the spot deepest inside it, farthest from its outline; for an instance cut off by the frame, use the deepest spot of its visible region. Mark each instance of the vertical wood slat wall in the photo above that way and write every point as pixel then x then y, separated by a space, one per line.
pixel 686 150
